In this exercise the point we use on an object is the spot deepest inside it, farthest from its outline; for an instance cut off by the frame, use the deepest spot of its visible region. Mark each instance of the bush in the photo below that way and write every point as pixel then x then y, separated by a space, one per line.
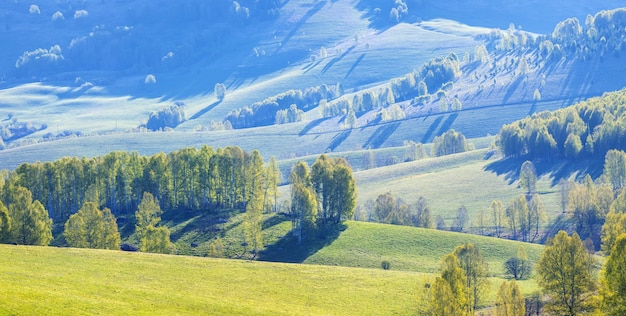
pixel 386 265
pixel 168 117
pixel 518 268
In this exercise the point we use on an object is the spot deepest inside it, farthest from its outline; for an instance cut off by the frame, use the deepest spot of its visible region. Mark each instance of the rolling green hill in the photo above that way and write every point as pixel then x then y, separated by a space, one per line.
pixel 343 278
pixel 411 249
pixel 55 281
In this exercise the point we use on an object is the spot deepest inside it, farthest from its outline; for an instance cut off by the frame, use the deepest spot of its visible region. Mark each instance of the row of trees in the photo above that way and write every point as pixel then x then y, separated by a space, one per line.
pixel 267 111
pixel 321 195
pixel 391 210
pixel 189 178
pixel 600 34
pixel 585 130
pixel 362 101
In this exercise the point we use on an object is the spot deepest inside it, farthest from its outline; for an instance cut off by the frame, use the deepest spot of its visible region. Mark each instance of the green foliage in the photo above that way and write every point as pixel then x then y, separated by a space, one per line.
pixel 335 188
pixel 498 214
pixel 510 300
pixel 528 177
pixel 282 108
pixel 385 265
pixel 615 223
pixel 475 269
pixel 613 290
pixel 599 122
pixel 388 209
pixel 589 203
pixel 30 224
pixel 156 240
pixel 451 142
pixel 615 168
pixel 303 202
pixel 92 228
pixel 460 287
pixel 566 275
pixel 148 215
pixel 254 207
pixel 188 178
pixel 5 223
pixel 518 267
pixel 216 249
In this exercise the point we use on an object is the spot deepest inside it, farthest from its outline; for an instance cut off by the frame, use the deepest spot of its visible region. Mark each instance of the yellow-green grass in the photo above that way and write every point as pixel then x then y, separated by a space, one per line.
pixel 412 249
pixel 63 281
pixel 449 182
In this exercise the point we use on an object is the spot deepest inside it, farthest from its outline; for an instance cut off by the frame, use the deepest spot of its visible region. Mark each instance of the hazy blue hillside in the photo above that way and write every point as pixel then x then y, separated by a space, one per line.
pixel 87 68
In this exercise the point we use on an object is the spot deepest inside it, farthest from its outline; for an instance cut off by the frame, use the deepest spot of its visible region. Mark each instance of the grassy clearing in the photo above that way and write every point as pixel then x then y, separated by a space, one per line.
pixel 60 281
pixel 411 249
pixel 449 182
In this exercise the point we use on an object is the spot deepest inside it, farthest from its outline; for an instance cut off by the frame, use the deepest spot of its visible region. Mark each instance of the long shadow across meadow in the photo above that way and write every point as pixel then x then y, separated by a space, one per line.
pixel 288 250
pixel 555 169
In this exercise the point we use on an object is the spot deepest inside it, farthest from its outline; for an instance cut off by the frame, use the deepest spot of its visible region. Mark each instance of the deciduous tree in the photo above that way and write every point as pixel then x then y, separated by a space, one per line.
pixel 92 228
pixel 5 223
pixel 510 300
pixel 475 268
pixel 498 214
pixel 528 177
pixel 148 215
pixel 566 275
pixel 613 291
pixel 30 223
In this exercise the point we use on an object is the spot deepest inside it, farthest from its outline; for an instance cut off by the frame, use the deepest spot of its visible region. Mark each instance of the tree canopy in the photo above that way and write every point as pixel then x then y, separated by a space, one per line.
pixel 92 228
pixel 566 275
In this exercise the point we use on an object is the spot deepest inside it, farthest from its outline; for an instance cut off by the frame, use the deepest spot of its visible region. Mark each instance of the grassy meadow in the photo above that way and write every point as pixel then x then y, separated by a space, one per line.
pixel 449 182
pixel 65 281
pixel 412 249
pixel 62 281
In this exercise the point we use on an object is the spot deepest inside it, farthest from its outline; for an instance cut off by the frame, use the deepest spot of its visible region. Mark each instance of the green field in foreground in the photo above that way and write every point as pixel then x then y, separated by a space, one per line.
pixel 412 249
pixel 63 281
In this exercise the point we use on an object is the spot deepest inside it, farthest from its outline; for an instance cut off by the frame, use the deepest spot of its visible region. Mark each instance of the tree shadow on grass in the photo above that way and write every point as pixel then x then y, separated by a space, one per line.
pixel 311 126
pixel 338 139
pixel 379 137
pixel 288 250
pixel 555 169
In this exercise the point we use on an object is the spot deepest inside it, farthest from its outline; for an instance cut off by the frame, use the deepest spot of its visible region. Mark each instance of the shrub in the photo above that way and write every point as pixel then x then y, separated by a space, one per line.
pixel 168 117
pixel 386 265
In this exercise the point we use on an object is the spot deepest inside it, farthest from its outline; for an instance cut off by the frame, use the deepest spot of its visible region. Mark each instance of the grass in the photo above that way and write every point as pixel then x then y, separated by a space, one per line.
pixel 62 281
pixel 449 182
pixel 411 249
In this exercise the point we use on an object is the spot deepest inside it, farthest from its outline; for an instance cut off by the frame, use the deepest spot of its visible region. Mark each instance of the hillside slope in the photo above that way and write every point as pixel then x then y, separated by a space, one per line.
pixel 55 281
pixel 298 45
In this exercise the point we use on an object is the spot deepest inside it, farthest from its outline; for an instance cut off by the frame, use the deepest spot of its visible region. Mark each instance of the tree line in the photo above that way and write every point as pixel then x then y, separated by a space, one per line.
pixel 586 130
pixel 188 178
pixel 286 107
